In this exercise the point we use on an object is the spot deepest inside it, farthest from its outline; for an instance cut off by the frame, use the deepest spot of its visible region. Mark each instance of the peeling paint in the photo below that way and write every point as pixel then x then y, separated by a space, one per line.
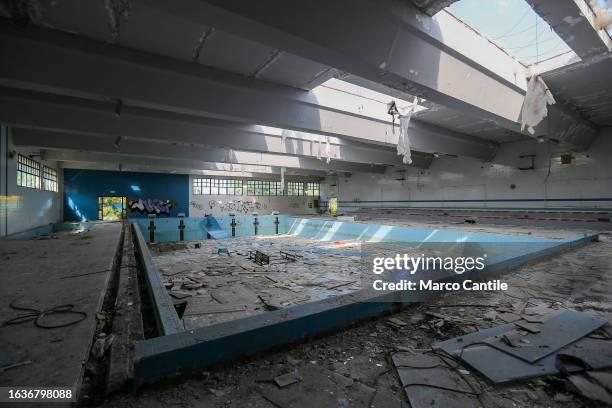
pixel 572 20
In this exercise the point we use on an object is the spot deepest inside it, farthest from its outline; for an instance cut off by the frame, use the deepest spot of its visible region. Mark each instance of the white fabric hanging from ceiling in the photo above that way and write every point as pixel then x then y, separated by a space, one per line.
pixel 403 142
pixel 535 104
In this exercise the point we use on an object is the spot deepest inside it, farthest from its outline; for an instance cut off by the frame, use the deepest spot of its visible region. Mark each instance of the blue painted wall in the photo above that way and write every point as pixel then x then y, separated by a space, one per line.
pixel 83 187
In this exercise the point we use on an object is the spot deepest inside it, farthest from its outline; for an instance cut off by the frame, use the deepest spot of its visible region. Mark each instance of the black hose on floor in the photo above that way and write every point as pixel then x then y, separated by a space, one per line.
pixel 38 316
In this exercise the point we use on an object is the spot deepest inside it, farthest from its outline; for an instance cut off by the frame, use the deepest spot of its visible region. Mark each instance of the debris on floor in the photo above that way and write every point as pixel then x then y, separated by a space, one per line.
pixel 361 366
pixel 508 353
pixel 429 381
pixel 254 275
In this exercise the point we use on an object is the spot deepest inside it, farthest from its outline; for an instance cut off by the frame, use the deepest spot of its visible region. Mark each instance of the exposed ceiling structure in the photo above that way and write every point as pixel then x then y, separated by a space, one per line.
pixel 587 84
pixel 431 7
pixel 231 83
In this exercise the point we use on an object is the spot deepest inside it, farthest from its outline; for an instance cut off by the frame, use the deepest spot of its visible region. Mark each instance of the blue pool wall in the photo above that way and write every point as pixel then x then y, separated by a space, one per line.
pixel 166 229
pixel 83 187
pixel 196 228
pixel 502 249
pixel 330 230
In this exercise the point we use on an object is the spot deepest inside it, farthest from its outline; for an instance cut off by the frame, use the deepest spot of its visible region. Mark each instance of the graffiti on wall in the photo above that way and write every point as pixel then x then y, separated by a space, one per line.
pixel 237 206
pixel 150 206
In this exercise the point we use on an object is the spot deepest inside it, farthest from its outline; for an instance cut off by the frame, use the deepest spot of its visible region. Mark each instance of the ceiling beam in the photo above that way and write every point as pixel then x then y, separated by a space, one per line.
pixel 574 22
pixel 74 115
pixel 106 161
pixel 71 141
pixel 391 43
pixel 51 61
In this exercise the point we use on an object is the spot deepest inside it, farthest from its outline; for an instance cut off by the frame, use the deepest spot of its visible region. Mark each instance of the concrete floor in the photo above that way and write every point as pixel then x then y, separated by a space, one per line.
pixel 32 271
pixel 353 367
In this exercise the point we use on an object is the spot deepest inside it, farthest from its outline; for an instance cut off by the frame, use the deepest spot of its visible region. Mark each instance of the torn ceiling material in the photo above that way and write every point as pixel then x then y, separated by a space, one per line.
pixel 403 142
pixel 534 107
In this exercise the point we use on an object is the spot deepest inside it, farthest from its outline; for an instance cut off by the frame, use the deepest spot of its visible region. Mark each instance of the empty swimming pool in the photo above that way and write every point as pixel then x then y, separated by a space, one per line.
pixel 232 303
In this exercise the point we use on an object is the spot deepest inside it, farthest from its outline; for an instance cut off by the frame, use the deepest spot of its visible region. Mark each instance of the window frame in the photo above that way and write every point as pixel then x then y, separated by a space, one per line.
pixel 264 188
pixel 28 172
pixel 312 187
pixel 214 186
pixel 295 189
pixel 49 176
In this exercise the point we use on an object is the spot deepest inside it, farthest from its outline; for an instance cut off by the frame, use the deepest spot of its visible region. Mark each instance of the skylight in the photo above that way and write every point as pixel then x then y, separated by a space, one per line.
pixel 514 26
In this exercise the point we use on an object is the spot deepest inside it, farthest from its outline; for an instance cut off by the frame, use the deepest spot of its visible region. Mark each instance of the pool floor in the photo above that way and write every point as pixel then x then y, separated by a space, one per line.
pixel 221 287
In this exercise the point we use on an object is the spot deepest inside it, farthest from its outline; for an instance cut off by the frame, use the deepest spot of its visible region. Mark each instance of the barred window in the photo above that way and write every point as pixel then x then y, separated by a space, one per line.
pixel 28 172
pixel 207 186
pixel 49 180
pixel 313 189
pixel 264 188
pixel 295 188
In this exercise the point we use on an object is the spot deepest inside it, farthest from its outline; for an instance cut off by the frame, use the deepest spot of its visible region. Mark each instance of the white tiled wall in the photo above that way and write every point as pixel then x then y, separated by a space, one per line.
pixel 23 208
pixel 588 176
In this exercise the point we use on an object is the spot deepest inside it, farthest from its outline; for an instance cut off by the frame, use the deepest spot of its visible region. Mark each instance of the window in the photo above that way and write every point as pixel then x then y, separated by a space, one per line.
pixel 28 172
pixel 295 188
pixel 264 188
pixel 312 189
pixel 49 179
pixel 206 186
pixel 276 189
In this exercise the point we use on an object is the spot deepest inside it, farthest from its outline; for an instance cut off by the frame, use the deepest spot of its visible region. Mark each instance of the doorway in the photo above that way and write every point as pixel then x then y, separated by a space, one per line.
pixel 111 208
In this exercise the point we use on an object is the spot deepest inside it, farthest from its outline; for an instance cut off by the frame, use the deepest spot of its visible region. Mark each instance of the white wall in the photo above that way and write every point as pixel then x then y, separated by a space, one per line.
pixel 199 205
pixel 23 208
pixel 588 176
